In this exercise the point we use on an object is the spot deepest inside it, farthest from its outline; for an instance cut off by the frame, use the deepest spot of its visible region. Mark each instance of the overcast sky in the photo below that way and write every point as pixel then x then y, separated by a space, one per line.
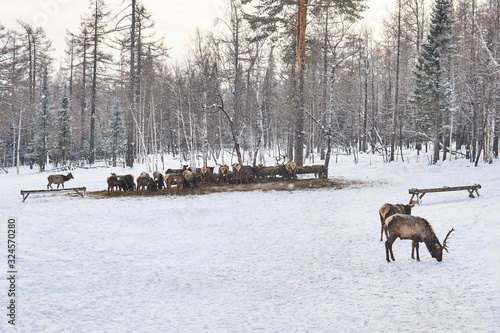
pixel 176 20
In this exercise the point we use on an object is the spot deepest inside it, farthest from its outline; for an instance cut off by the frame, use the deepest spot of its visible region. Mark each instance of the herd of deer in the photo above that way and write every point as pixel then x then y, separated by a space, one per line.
pixel 190 177
pixel 396 220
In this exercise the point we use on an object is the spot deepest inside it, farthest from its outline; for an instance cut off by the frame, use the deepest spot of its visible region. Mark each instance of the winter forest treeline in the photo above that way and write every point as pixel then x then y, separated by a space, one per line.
pixel 287 79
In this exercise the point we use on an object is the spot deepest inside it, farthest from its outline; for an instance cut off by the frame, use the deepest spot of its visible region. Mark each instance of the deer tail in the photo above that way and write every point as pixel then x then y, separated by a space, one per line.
pixel 388 220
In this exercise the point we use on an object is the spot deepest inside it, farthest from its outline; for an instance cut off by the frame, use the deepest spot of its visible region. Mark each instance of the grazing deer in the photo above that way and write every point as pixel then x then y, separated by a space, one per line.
pixel 58 179
pixel 207 174
pixel 243 173
pixel 115 181
pixel 388 210
pixel 320 171
pixel 174 178
pixel 264 172
pixel 223 173
pixel 159 179
pixel 291 169
pixel 128 182
pixel 144 181
pixel 189 177
pixel 418 230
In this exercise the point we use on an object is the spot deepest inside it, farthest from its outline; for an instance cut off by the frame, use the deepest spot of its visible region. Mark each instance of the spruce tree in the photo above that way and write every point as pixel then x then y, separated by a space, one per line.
pixel 43 123
pixel 64 128
pixel 432 95
pixel 117 127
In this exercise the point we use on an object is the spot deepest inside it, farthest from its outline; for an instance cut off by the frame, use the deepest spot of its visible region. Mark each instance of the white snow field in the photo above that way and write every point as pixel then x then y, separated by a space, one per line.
pixel 293 261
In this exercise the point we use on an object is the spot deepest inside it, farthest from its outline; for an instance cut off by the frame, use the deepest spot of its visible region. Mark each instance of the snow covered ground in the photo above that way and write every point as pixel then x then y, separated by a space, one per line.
pixel 298 261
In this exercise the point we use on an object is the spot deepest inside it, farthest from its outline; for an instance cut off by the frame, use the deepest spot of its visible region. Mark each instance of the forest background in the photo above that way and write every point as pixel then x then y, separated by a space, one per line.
pixel 289 79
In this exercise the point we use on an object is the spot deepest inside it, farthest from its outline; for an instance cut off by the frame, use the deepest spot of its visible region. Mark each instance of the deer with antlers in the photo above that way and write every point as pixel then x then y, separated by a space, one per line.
pixel 418 230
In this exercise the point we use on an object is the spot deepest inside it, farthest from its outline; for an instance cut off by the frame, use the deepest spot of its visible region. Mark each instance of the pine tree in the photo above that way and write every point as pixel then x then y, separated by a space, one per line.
pixel 432 94
pixel 276 12
pixel 64 127
pixel 118 142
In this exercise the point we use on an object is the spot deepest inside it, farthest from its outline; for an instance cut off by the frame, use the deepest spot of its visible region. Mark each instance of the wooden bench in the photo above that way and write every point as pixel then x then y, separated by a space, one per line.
pixel 79 190
pixel 420 192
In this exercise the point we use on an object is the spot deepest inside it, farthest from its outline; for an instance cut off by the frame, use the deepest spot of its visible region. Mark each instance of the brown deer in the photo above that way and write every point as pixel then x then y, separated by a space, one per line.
pixel 388 210
pixel 128 183
pixel 304 170
pixel 320 171
pixel 418 230
pixel 291 169
pixel 184 167
pixel 207 174
pixel 144 181
pixel 243 173
pixel 264 172
pixel 58 179
pixel 114 182
pixel 189 177
pixel 174 178
pixel 159 179
pixel 223 174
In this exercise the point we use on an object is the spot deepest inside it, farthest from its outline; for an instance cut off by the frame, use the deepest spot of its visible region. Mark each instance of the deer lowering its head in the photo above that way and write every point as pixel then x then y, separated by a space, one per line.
pixel 418 230
pixel 388 210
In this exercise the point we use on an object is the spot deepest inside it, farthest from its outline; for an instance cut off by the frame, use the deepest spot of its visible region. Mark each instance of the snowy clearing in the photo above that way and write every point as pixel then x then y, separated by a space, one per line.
pixel 298 261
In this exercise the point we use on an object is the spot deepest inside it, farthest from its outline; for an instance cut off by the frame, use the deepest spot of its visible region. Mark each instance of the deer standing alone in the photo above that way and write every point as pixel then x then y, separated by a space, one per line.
pixel 388 210
pixel 418 230
pixel 58 179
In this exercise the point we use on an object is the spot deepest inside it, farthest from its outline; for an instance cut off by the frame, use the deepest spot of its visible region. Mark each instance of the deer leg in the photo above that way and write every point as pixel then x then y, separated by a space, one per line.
pixel 382 222
pixel 388 248
pixel 414 246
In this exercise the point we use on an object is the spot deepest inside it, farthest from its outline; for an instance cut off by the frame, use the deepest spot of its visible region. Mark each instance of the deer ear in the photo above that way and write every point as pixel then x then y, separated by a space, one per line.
pixel 437 245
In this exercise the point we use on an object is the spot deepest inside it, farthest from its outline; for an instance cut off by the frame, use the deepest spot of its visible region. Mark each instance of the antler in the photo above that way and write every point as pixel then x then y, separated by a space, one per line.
pixel 446 238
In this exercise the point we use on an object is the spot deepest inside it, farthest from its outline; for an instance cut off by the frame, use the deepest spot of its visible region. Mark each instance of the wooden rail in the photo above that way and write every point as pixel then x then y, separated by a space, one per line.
pixel 79 190
pixel 420 192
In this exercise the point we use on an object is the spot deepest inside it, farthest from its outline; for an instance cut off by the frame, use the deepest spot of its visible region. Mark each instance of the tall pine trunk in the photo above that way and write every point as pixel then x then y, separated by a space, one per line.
pixel 301 66
pixel 129 160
